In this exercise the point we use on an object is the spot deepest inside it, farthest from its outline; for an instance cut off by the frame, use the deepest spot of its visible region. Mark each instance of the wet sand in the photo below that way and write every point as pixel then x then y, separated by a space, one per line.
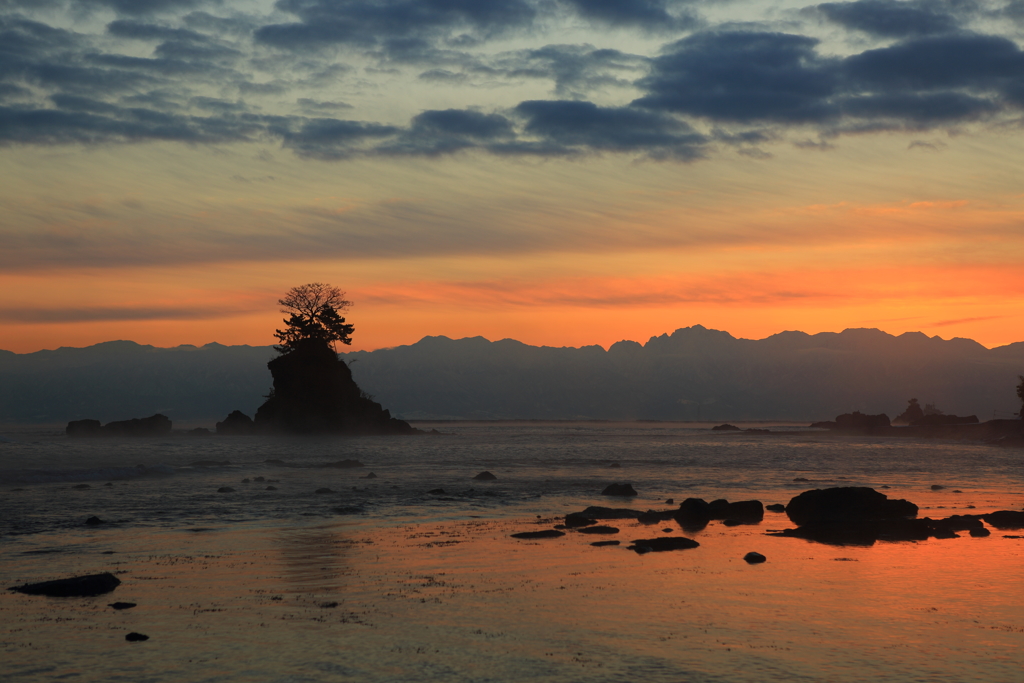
pixel 462 601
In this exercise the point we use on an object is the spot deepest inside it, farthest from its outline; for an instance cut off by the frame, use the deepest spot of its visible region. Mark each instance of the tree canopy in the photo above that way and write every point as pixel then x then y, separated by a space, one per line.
pixel 313 316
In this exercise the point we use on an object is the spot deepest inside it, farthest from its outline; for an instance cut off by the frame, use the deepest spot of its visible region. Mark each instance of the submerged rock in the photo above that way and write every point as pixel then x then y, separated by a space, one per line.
pixel 134 637
pixel 323 490
pixel 598 512
pixel 600 529
pixel 619 490
pixel 602 544
pixel 122 605
pixel 75 587
pixel 547 533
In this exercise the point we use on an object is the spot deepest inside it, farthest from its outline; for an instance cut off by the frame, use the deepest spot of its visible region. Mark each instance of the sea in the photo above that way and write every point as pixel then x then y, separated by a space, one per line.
pixel 253 558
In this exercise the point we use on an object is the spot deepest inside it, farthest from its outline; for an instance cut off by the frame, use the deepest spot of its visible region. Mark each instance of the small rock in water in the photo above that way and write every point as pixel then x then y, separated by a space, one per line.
pixel 775 507
pixel 327 605
pixel 134 637
pixel 81 486
pixel 109 483
pixel 75 587
pixel 574 520
pixel 547 533
pixel 754 558
pixel 122 605
pixel 94 520
pixel 225 489
pixel 937 487
pixel 615 465
pixel 670 501
pixel 271 488
pixel 801 479
pixel 980 533
pixel 662 544
pixel 371 475
pixel 601 544
pixel 619 490
pixel 667 530
pixel 245 481
pixel 600 529
pixel 436 492
pixel 323 490
pixel 485 476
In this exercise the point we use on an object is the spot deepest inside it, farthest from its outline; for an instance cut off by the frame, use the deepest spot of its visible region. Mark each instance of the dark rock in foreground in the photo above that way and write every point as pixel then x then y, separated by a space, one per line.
pixel 599 529
pixel 1005 519
pixel 598 512
pixel 574 520
pixel 75 587
pixel 695 512
pixel 619 490
pixel 236 424
pixel 547 533
pixel 855 515
pixel 754 558
pixel 845 505
pixel 485 476
pixel 602 544
pixel 122 605
pixel 663 544
pixel 134 637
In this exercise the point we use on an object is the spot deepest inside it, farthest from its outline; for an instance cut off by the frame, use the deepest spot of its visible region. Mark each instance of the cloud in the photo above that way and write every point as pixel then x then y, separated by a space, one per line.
pixel 890 18
pixel 774 78
pixel 651 15
pixel 743 78
pixel 582 127
pixel 367 24
pixel 80 314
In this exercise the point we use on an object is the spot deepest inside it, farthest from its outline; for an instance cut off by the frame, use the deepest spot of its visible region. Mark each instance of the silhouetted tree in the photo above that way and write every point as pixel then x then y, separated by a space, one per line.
pixel 1020 395
pixel 313 316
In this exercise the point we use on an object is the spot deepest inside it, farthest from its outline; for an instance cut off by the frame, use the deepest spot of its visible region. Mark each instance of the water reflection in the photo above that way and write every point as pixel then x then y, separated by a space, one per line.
pixel 317 559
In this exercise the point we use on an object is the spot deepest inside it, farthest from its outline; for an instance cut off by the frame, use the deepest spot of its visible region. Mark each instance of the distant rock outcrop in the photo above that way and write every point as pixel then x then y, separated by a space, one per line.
pixel 941 420
pixel 314 393
pixel 235 424
pixel 155 425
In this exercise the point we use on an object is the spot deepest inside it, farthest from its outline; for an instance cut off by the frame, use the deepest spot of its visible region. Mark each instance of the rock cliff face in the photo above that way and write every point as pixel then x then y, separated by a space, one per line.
pixel 314 393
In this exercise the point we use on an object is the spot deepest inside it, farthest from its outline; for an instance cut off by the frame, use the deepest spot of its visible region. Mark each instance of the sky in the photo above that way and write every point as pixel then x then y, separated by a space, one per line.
pixel 561 172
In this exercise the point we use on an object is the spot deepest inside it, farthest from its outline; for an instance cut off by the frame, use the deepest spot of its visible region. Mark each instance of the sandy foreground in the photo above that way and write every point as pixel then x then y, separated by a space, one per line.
pixel 462 601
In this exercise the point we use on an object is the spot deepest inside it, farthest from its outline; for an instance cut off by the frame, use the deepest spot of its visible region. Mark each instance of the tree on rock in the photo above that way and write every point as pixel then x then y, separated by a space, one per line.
pixel 1020 395
pixel 313 389
pixel 313 317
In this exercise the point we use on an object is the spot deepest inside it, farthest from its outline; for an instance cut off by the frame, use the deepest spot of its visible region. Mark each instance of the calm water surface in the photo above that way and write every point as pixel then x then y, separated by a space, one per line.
pixel 381 580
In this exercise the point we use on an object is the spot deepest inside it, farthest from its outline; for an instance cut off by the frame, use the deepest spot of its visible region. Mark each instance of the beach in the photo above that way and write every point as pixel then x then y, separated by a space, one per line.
pixel 389 582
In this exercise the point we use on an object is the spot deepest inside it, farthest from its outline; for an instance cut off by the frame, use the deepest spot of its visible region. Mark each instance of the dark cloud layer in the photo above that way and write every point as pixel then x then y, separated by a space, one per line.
pixel 891 18
pixel 164 70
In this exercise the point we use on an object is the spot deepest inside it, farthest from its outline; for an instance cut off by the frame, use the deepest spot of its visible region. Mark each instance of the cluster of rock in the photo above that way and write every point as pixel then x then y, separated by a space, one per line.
pixel 856 515
pixel 155 425
pixel 850 515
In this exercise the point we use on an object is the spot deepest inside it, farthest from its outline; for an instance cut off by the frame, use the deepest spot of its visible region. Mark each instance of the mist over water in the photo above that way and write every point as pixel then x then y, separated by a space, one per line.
pixel 415 572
